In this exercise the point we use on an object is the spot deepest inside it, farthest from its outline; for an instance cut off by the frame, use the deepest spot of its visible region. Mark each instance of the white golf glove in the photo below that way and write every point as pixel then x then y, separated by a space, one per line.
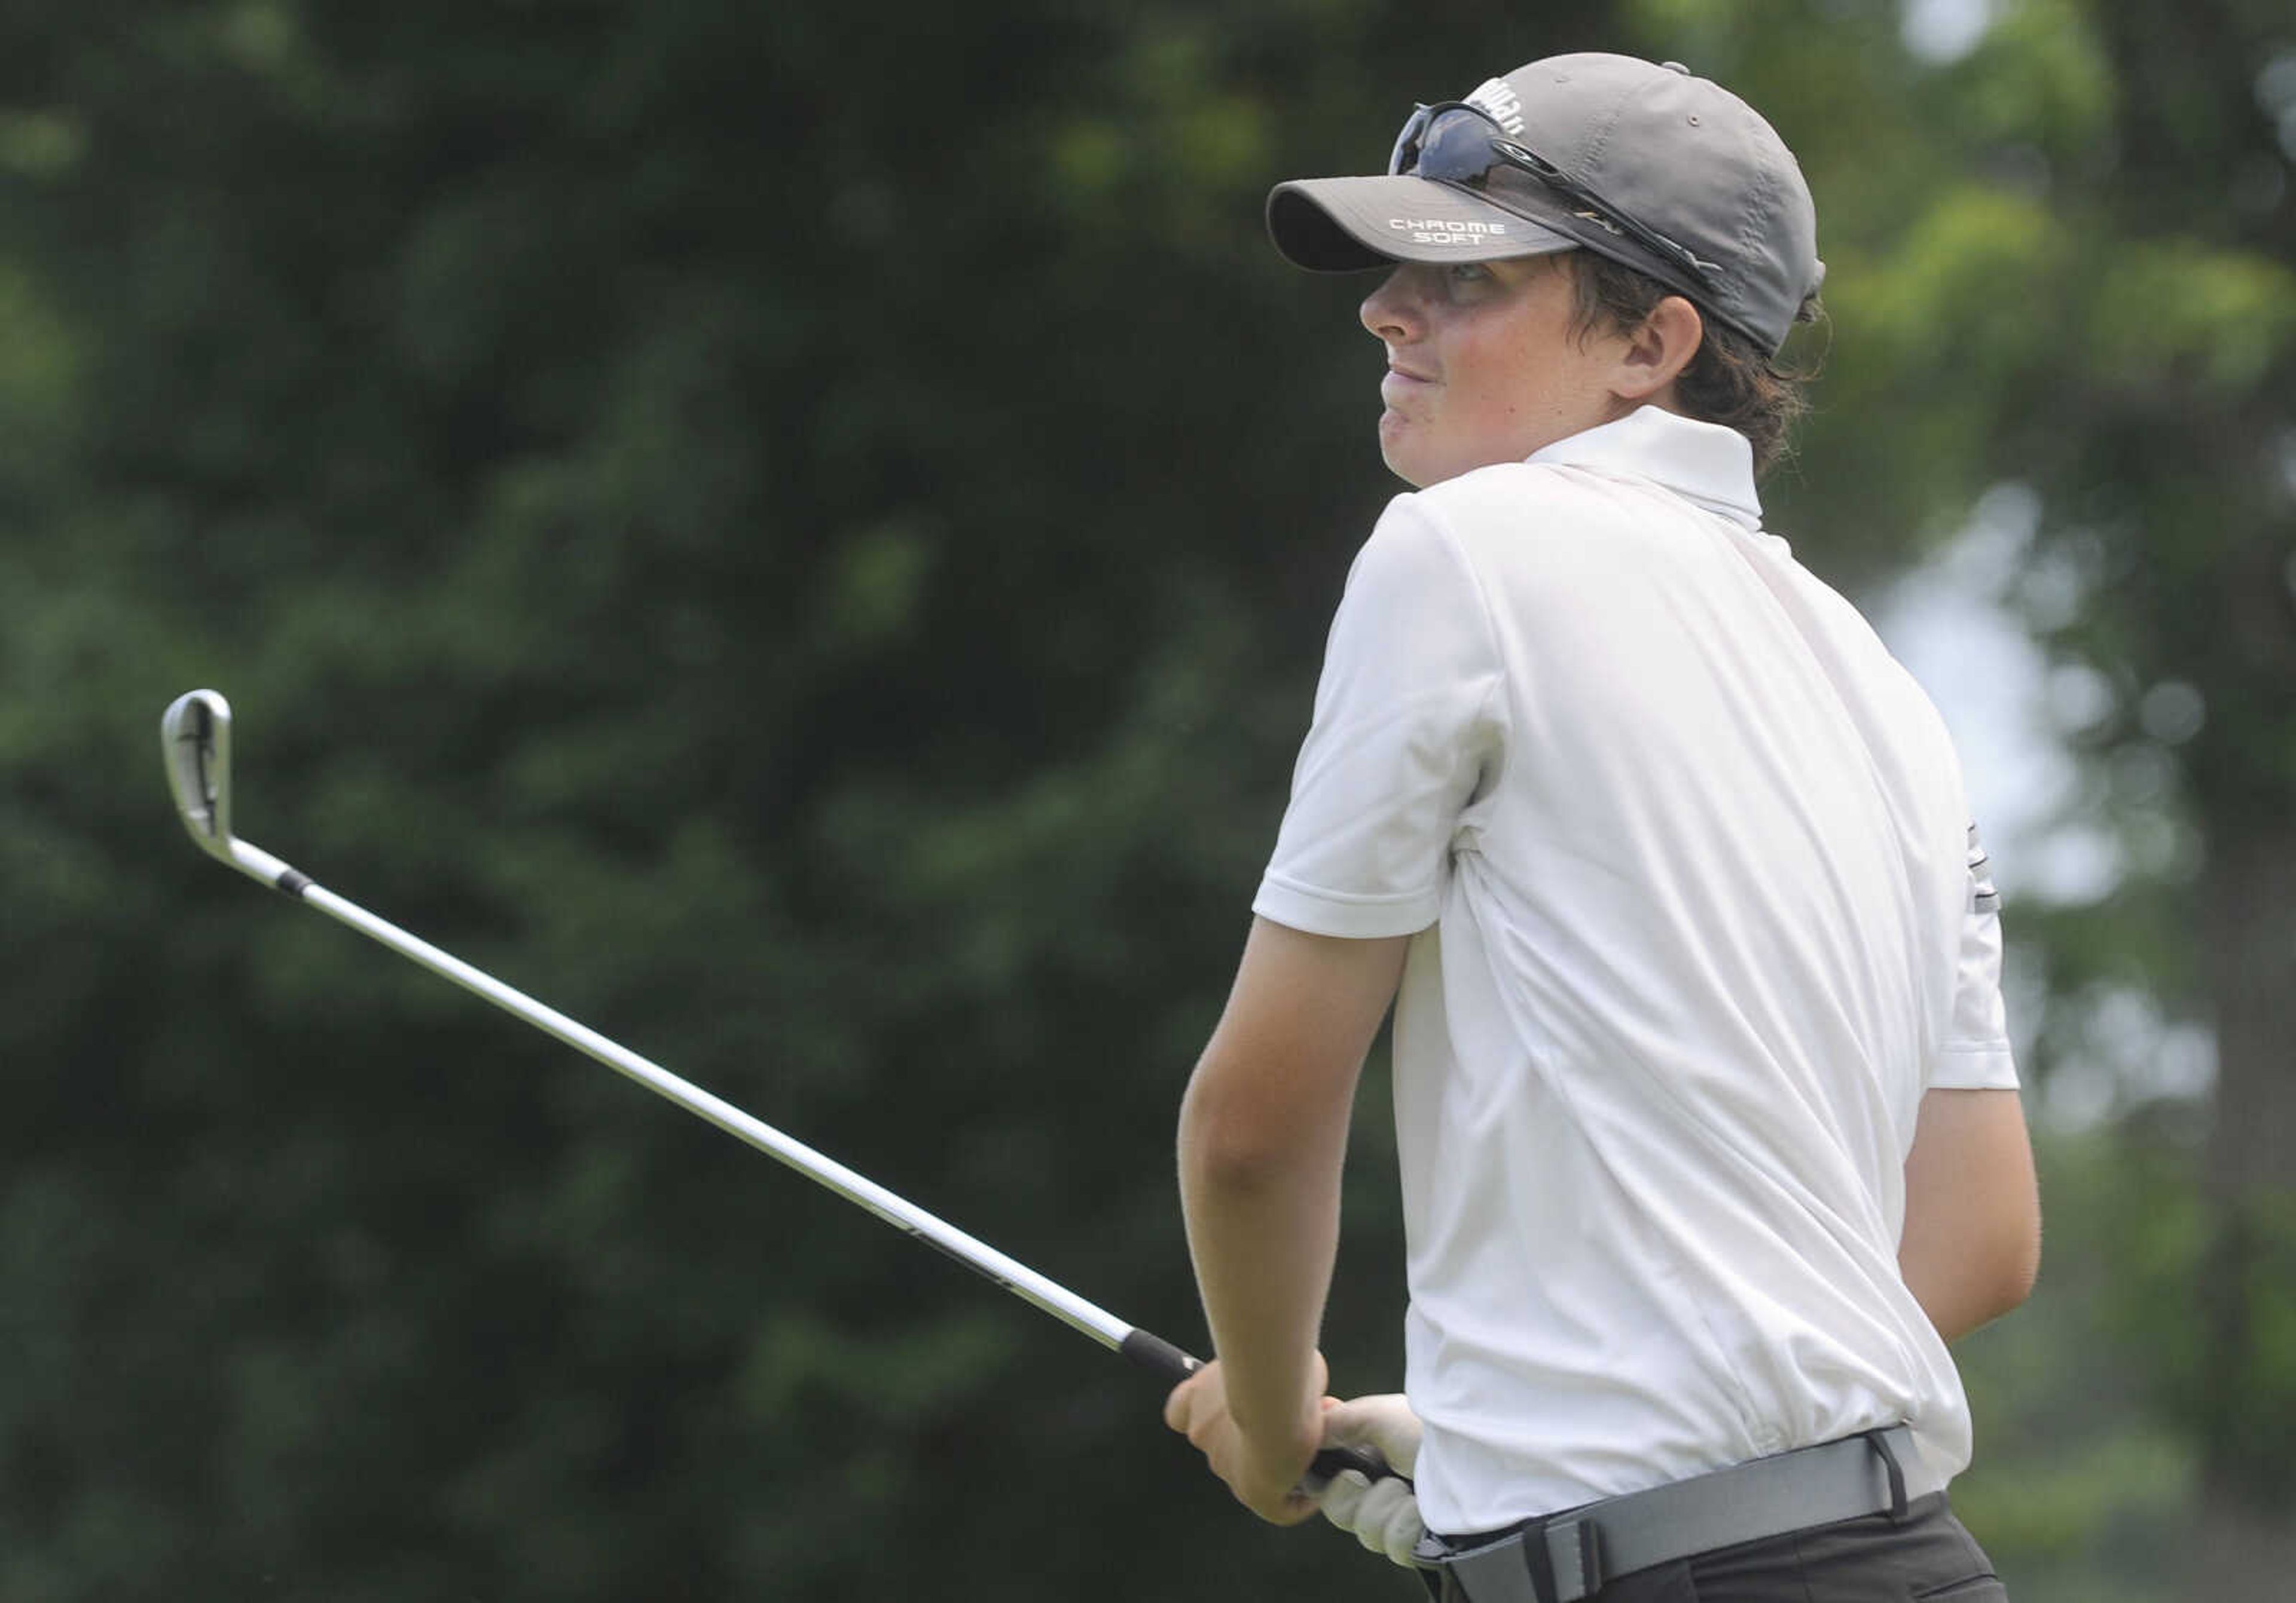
pixel 1383 1513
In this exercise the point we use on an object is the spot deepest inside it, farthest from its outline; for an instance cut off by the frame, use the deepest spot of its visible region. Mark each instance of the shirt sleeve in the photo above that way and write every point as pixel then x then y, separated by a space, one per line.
pixel 1975 1054
pixel 1408 722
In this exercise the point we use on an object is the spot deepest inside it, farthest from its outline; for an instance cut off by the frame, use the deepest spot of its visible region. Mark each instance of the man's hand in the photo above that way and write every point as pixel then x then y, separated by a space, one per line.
pixel 1264 1473
pixel 1383 1513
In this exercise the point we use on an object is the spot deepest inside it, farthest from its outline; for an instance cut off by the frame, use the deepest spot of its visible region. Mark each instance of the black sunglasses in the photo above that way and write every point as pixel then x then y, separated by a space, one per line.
pixel 1461 143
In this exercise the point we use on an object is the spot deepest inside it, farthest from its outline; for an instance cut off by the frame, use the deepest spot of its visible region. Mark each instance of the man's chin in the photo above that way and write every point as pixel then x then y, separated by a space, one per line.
pixel 1401 451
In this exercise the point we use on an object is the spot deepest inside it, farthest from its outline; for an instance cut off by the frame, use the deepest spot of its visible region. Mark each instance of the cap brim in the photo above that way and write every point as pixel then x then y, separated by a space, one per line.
pixel 1340 224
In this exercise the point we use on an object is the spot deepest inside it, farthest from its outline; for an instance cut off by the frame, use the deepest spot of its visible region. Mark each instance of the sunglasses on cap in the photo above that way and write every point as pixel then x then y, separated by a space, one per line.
pixel 1456 143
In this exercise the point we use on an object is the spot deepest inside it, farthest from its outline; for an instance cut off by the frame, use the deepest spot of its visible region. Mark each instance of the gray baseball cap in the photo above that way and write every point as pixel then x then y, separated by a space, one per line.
pixel 1641 162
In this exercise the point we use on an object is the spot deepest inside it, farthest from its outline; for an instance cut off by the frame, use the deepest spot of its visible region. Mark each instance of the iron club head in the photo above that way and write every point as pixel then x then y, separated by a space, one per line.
pixel 195 739
pixel 195 742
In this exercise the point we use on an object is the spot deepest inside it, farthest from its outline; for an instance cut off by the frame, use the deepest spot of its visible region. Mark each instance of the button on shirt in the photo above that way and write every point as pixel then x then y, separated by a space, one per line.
pixel 1687 864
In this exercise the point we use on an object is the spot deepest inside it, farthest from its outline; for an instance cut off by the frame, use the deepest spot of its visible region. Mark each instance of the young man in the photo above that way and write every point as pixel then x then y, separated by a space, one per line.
pixel 1709 1126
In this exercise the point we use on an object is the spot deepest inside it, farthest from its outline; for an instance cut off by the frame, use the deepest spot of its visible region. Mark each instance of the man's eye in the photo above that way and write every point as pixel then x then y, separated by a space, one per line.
pixel 1468 273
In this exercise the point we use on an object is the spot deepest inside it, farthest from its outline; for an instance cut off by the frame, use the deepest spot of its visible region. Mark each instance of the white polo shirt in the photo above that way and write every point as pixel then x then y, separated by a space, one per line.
pixel 1697 915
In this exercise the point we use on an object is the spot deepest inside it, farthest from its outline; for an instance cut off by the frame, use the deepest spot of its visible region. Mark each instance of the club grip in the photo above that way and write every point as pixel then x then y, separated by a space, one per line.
pixel 1170 1365
pixel 1159 1357
pixel 1331 1461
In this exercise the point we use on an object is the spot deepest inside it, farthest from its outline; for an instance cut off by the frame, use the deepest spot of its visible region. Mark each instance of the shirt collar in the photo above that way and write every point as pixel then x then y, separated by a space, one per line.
pixel 1702 463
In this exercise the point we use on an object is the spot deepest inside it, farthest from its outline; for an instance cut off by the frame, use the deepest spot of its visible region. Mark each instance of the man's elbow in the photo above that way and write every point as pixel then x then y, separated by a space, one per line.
pixel 1970 1276
pixel 2015 1252
pixel 1995 1276
pixel 1237 1140
pixel 2004 1291
pixel 1224 1153
pixel 2020 1270
pixel 1229 1167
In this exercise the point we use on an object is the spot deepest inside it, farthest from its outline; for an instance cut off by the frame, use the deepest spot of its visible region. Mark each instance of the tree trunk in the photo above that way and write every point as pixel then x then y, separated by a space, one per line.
pixel 2245 1536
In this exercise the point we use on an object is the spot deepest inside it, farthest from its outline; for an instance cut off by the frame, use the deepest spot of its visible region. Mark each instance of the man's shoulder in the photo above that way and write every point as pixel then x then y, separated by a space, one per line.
pixel 1504 494
pixel 1534 525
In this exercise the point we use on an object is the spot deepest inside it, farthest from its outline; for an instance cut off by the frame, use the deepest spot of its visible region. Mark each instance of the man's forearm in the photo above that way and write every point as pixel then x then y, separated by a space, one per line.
pixel 1263 1230
pixel 1263 1136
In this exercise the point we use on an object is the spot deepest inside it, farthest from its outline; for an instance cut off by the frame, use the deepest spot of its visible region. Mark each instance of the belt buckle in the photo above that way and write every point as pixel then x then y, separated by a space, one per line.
pixel 1559 1561
pixel 1506 1570
pixel 1574 1557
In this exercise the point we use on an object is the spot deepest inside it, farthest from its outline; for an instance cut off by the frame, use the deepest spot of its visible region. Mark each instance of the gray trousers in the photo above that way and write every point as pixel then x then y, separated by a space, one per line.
pixel 1927 1557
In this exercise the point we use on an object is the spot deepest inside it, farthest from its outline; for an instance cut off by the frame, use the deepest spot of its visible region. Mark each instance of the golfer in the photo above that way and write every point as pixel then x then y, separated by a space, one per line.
pixel 1708 1120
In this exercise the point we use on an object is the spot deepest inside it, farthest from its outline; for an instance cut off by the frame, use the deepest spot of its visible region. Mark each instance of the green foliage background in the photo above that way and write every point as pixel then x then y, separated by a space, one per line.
pixel 802 537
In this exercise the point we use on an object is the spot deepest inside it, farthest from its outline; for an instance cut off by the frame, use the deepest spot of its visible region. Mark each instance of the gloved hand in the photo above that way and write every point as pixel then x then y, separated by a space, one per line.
pixel 1383 1513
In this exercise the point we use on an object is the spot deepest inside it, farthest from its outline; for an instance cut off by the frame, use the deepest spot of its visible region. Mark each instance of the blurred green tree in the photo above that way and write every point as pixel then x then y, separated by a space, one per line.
pixel 2088 296
pixel 806 544
pixel 2136 162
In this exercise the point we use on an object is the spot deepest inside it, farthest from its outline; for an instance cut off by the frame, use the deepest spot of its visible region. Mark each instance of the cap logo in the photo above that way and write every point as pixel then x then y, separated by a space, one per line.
pixel 1495 99
pixel 1444 231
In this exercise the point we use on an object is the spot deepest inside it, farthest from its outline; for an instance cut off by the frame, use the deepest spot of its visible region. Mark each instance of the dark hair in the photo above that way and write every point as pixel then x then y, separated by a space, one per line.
pixel 1731 381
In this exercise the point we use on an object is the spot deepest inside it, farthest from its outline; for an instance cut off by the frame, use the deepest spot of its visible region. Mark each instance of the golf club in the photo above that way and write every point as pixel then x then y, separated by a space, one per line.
pixel 195 740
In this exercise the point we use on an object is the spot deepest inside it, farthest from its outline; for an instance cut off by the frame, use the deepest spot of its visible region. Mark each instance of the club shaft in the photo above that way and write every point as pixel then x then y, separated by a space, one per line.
pixel 196 734
pixel 1150 1351
pixel 1017 1277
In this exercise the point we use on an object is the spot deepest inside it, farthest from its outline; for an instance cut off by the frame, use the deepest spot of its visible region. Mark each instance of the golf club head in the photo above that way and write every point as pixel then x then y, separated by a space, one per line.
pixel 195 740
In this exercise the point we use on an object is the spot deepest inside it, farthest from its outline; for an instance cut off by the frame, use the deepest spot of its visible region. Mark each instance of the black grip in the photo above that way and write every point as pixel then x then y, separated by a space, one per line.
pixel 1170 1365
pixel 1159 1357
pixel 1331 1461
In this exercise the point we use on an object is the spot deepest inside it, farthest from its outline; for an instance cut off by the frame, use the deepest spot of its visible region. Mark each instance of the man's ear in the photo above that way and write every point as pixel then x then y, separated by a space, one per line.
pixel 1657 352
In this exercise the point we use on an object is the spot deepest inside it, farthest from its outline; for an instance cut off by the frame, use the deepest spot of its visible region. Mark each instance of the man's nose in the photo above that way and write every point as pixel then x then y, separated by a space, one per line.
pixel 1391 312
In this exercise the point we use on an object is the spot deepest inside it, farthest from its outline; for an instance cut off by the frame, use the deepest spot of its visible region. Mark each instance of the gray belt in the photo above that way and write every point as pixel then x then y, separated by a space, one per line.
pixel 1563 1558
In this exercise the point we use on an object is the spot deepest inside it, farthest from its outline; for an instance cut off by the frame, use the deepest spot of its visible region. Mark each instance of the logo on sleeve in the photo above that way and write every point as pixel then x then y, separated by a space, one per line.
pixel 1983 898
